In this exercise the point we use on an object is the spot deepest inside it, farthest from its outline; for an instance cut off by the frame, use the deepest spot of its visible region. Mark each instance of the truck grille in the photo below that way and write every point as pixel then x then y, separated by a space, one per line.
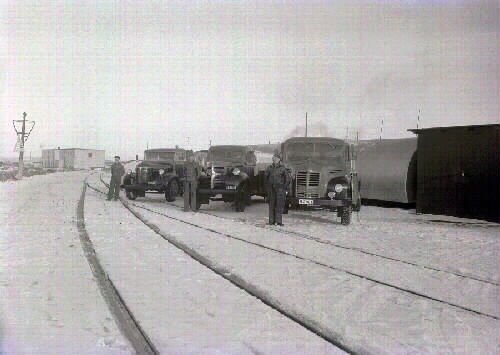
pixel 307 184
pixel 143 175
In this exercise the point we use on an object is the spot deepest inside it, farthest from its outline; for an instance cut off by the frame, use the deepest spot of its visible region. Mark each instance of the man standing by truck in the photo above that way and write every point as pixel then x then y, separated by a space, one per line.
pixel 117 171
pixel 277 180
pixel 191 173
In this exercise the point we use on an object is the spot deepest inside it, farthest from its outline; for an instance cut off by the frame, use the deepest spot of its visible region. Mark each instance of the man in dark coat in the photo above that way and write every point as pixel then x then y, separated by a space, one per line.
pixel 117 171
pixel 277 180
pixel 191 173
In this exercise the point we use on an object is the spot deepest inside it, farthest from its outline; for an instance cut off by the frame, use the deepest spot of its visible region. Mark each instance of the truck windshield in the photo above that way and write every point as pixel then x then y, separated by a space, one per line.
pixel 226 155
pixel 159 155
pixel 321 151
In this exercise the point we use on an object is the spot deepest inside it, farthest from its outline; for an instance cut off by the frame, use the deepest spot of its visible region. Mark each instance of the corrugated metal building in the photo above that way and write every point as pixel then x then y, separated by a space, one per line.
pixel 458 171
pixel 387 169
pixel 73 158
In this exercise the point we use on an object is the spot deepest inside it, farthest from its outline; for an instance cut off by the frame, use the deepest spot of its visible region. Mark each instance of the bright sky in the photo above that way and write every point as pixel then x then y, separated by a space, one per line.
pixel 124 75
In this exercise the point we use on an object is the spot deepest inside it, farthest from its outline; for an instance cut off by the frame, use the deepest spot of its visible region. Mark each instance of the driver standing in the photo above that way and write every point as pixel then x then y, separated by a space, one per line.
pixel 277 180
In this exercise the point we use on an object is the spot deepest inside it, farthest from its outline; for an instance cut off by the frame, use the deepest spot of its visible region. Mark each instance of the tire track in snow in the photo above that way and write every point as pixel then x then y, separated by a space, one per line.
pixel 124 318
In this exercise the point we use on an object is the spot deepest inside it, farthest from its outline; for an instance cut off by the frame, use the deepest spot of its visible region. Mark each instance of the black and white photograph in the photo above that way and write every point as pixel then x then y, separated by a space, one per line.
pixel 249 177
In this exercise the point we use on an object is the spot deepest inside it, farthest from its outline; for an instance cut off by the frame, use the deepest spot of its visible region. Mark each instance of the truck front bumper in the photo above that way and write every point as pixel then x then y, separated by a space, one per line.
pixel 318 202
pixel 143 187
pixel 216 191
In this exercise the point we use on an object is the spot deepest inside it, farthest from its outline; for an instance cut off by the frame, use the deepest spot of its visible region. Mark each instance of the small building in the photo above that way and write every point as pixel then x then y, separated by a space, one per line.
pixel 73 158
pixel 458 171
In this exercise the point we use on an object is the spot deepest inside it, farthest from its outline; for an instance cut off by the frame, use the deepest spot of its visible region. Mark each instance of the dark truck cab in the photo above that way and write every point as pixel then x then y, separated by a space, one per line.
pixel 231 172
pixel 162 171
pixel 323 175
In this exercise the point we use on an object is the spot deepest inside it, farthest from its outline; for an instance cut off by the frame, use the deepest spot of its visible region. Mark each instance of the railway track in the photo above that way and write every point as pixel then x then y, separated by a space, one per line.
pixel 337 245
pixel 252 290
pixel 131 207
pixel 123 317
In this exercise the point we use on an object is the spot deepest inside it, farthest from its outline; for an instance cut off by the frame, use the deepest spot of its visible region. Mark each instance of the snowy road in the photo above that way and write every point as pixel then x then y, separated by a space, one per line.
pixel 392 282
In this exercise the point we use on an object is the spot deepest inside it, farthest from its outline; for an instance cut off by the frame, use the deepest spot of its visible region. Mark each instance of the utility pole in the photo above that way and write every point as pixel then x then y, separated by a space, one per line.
pixel 306 124
pixel 22 136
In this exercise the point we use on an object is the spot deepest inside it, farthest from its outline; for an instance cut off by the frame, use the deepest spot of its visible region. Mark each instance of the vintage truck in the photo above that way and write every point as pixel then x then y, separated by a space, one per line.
pixel 231 172
pixel 161 171
pixel 324 175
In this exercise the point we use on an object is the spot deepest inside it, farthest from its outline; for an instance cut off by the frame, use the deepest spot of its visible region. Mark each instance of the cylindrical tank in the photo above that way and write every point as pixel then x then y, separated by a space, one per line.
pixel 387 169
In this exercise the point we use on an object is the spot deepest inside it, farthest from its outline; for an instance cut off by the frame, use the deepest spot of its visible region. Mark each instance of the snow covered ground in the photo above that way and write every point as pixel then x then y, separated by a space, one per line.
pixel 391 282
pixel 49 301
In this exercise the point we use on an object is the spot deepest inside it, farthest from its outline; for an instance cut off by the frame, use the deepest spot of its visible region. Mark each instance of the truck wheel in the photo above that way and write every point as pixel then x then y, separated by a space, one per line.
pixel 131 195
pixel 345 217
pixel 172 190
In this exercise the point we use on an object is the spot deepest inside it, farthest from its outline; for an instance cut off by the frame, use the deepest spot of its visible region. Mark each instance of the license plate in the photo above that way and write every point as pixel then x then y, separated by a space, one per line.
pixel 303 201
pixel 229 187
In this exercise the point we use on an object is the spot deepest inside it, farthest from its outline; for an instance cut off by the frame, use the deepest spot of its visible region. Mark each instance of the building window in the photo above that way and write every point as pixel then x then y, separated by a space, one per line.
pixel 90 155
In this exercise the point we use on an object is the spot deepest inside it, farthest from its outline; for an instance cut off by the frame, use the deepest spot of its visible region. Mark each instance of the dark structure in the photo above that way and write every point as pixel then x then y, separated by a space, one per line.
pixel 458 171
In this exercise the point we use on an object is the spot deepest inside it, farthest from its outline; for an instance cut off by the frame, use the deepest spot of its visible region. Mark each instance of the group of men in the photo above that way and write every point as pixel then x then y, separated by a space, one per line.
pixel 277 180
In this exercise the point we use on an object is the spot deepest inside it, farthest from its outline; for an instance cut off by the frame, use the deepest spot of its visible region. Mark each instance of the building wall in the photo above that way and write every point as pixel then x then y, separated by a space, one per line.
pixel 89 158
pixel 51 158
pixel 73 158
pixel 458 172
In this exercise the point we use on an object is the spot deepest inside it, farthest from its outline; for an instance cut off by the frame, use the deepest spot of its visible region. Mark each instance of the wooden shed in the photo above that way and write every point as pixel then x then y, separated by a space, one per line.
pixel 458 171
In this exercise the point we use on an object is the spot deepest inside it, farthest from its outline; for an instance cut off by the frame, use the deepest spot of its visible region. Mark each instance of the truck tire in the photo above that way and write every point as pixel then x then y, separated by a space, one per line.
pixel 131 195
pixel 345 216
pixel 172 190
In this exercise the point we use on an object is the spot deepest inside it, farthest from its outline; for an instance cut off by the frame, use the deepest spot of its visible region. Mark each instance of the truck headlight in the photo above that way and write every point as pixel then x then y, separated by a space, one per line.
pixel 162 171
pixel 338 188
pixel 236 171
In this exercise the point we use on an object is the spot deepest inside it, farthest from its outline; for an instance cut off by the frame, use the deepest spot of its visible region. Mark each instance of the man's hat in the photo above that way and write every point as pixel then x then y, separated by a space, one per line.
pixel 117 156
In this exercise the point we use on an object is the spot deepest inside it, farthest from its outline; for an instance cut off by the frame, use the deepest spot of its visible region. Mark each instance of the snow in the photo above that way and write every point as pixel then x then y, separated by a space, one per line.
pixel 183 306
pixel 49 301
pixel 350 282
pixel 467 248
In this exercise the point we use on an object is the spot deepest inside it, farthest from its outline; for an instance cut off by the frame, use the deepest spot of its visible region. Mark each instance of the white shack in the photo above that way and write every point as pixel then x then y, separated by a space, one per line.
pixel 73 158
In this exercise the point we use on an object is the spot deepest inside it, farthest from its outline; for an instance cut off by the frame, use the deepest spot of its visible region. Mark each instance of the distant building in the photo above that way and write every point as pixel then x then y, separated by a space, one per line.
pixel 73 158
pixel 458 171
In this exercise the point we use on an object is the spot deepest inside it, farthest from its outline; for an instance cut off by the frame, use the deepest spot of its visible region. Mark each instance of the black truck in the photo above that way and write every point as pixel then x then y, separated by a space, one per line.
pixel 162 171
pixel 323 175
pixel 231 172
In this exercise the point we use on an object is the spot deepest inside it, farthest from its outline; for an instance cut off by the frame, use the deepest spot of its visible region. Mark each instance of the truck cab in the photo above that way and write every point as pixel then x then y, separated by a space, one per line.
pixel 324 175
pixel 231 172
pixel 161 171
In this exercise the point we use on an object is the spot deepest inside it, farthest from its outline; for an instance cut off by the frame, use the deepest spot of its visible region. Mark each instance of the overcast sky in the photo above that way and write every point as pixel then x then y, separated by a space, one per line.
pixel 124 75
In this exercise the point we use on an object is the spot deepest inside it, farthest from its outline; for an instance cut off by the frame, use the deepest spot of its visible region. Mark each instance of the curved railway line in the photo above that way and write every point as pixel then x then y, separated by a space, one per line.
pixel 130 207
pixel 252 290
pixel 124 318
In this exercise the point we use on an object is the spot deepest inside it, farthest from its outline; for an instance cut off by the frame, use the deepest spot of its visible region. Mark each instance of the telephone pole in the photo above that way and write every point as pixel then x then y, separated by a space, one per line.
pixel 306 124
pixel 22 136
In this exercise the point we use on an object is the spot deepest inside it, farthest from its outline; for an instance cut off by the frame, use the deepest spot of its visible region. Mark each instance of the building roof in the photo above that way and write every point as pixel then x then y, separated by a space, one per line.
pixel 102 150
pixel 423 130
